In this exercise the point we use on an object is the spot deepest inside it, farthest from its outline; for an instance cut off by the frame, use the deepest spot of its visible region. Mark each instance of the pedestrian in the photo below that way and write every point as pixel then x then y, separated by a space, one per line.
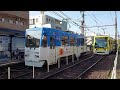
pixel 17 53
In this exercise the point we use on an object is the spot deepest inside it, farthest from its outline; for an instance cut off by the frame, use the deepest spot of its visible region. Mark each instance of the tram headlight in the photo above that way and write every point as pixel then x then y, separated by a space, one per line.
pixel 106 49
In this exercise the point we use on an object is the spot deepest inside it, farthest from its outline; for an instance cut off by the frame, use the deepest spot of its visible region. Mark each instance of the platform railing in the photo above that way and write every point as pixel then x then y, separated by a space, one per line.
pixel 113 75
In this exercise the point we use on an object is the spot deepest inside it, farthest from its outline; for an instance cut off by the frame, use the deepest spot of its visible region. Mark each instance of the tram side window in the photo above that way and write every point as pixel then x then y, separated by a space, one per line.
pixel 110 42
pixel 52 43
pixel 75 43
pixel 32 41
pixel 44 41
pixel 82 41
pixel 78 42
pixel 64 41
pixel 71 41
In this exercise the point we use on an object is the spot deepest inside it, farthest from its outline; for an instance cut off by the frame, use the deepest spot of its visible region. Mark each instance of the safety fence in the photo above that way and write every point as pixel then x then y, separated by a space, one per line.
pixel 113 75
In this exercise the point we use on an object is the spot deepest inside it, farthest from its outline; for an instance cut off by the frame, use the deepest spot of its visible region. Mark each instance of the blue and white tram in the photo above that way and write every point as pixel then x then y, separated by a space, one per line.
pixel 47 44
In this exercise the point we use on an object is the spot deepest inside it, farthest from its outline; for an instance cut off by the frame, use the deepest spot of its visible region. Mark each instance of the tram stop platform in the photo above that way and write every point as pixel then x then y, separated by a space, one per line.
pixel 5 62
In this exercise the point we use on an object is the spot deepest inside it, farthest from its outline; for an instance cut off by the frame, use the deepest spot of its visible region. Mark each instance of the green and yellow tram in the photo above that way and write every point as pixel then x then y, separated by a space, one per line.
pixel 103 45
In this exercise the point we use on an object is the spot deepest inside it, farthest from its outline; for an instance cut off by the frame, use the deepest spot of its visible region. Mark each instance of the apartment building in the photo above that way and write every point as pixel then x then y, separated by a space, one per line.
pixel 13 21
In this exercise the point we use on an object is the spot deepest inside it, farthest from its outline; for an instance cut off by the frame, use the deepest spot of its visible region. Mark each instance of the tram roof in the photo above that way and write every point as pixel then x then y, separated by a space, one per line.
pixel 102 36
pixel 52 30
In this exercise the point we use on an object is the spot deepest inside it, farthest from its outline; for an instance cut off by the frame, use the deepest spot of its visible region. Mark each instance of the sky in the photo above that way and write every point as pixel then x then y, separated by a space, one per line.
pixel 92 18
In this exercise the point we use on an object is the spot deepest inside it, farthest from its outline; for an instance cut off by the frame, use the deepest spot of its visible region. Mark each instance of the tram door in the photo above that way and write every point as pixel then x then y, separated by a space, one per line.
pixel 52 50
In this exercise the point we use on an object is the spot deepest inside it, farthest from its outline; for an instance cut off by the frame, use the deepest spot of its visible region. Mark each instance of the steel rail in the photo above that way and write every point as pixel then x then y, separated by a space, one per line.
pixel 57 71
pixel 50 75
pixel 80 75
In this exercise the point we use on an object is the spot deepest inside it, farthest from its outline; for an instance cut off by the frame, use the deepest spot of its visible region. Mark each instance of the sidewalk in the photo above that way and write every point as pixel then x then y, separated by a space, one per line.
pixel 118 67
pixel 4 62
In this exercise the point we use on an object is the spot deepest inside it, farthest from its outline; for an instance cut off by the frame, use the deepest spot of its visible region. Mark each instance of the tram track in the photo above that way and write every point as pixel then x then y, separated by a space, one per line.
pixel 86 70
pixel 21 76
pixel 70 72
pixel 24 72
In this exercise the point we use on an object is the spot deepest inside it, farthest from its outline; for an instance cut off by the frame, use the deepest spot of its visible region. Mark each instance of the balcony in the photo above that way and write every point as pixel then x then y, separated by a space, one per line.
pixel 22 14
pixel 13 26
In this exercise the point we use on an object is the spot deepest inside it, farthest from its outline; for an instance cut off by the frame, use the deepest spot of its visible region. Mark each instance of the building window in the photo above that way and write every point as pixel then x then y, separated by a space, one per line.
pixel 6 20
pixel 33 21
pixel 3 19
pixel 57 22
pixel 17 22
pixel 46 19
pixel 52 21
pixel 56 27
pixel 37 20
pixel 49 20
pixel 10 21
pixel 59 28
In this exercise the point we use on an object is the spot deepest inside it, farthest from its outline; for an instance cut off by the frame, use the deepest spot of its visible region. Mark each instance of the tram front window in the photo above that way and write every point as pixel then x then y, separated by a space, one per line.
pixel 32 41
pixel 100 42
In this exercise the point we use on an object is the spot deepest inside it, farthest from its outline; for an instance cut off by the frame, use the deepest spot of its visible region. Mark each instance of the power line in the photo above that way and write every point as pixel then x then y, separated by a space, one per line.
pixel 96 18
pixel 58 14
pixel 93 18
pixel 70 20
pixel 111 17
pixel 99 26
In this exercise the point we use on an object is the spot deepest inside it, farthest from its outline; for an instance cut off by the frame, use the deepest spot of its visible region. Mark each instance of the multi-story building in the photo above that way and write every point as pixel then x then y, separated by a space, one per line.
pixel 47 21
pixel 11 21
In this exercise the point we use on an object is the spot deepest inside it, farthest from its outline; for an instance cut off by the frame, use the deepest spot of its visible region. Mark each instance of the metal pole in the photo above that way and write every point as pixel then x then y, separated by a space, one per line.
pixel 82 24
pixel 10 47
pixel 58 62
pixel 72 58
pixel 66 60
pixel 115 31
pixel 33 71
pixel 48 66
pixel 8 72
pixel 118 41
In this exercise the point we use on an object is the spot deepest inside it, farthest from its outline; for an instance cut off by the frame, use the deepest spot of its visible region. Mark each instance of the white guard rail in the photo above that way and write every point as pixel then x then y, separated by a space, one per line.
pixel 113 76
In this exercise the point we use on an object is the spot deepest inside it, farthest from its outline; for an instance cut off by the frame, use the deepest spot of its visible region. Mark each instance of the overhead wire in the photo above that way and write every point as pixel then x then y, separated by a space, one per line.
pixel 96 18
pixel 111 17
pixel 66 17
pixel 70 19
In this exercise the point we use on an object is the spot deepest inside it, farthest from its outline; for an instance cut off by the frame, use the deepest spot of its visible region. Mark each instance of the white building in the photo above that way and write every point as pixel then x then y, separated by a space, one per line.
pixel 47 21
pixel 89 40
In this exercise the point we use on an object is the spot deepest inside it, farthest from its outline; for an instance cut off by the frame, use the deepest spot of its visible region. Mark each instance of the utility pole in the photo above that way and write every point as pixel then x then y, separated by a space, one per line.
pixel 115 31
pixel 42 13
pixel 82 23
pixel 118 40
pixel 82 27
